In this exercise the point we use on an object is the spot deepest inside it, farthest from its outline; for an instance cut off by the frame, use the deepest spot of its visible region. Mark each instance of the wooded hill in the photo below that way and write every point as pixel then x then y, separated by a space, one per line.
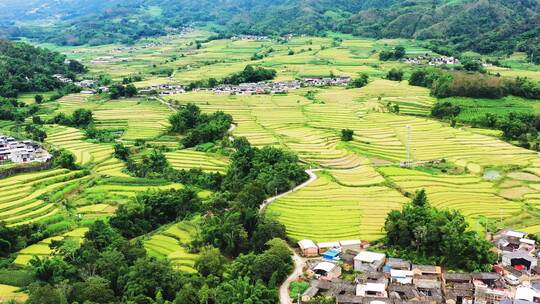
pixel 485 26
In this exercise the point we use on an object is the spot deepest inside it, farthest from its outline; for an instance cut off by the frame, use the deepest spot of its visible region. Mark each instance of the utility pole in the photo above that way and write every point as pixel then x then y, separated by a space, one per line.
pixel 409 161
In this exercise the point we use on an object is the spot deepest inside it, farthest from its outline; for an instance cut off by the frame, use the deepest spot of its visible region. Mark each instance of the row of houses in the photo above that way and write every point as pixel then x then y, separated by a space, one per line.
pixel 381 279
pixel 163 89
pixel 12 150
pixel 280 87
pixel 443 60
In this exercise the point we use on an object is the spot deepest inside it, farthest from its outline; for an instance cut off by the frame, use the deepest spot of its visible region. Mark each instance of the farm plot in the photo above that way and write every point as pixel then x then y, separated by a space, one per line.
pixel 106 194
pixel 31 197
pixel 327 211
pixel 12 293
pixel 386 135
pixel 42 248
pixel 71 139
pixel 190 159
pixel 363 175
pixel 140 119
pixel 171 244
pixel 469 194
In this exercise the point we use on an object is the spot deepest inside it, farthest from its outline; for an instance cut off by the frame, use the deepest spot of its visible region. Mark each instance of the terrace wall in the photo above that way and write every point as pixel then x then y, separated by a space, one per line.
pixel 25 168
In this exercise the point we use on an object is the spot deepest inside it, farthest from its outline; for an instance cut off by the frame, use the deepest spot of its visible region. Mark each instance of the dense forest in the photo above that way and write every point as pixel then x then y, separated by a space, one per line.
pixel 484 26
pixel 25 68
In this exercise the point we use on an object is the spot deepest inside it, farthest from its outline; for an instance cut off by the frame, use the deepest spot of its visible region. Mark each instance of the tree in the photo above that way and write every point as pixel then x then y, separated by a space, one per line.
pixel 445 109
pixel 44 294
pixel 399 52
pixel 130 90
pixel 93 290
pixel 121 152
pixel 395 74
pixel 360 81
pixel 82 118
pixel 266 230
pixel 210 262
pixel 64 159
pixel 241 291
pixel 347 134
pixel 38 98
pixel 424 234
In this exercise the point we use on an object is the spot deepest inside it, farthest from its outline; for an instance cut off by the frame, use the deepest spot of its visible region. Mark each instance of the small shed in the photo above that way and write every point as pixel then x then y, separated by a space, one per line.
pixel 331 254
pixel 308 248
pixel 351 245
pixel 327 270
pixel 323 247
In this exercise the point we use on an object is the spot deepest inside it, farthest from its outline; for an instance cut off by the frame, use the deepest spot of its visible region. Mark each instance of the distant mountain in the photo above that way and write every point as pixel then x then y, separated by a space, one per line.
pixel 484 26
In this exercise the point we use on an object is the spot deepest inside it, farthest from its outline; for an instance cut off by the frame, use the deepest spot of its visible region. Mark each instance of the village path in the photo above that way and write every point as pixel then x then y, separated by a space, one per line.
pixel 299 264
pixel 312 178
pixel 298 261
pixel 169 105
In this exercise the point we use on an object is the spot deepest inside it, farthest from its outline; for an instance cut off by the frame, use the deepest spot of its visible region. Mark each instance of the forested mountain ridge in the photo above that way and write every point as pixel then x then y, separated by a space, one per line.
pixel 484 26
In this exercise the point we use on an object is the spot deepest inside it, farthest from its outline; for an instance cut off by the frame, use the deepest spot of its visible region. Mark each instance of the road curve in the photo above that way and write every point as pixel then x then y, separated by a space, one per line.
pixel 312 177
pixel 299 262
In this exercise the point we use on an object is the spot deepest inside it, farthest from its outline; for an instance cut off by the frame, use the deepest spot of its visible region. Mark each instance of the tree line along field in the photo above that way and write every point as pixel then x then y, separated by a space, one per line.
pixel 361 181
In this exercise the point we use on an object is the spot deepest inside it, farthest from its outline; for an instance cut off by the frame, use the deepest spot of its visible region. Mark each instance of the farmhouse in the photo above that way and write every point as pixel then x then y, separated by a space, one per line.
pixel 372 284
pixel 519 260
pixel 327 270
pixel 369 261
pixel 20 152
pixel 308 248
pixel 511 240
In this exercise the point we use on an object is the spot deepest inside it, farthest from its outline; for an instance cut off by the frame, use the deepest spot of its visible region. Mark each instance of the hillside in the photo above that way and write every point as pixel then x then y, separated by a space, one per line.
pixel 24 68
pixel 483 26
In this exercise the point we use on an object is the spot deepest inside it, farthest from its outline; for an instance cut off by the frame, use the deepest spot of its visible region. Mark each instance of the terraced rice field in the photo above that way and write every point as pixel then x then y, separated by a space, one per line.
pixel 106 194
pixel 29 198
pixel 11 293
pixel 171 244
pixel 327 211
pixel 42 248
pixel 140 119
pixel 71 139
pixel 190 159
pixel 470 194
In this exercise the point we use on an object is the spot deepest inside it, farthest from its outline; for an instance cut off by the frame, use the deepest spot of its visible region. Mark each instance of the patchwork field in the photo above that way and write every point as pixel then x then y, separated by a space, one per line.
pixel 171 243
pixel 361 181
pixel 32 197
pixel 71 139
pixel 42 248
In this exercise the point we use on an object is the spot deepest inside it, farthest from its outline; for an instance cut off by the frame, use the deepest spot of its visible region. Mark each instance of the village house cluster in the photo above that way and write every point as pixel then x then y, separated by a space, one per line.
pixel 379 279
pixel 430 60
pixel 163 89
pixel 280 87
pixel 12 150
pixel 250 38
pixel 89 86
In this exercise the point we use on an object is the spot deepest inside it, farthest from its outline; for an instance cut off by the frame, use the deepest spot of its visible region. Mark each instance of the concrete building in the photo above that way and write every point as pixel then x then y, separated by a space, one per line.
pixel 308 248
pixel 369 261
